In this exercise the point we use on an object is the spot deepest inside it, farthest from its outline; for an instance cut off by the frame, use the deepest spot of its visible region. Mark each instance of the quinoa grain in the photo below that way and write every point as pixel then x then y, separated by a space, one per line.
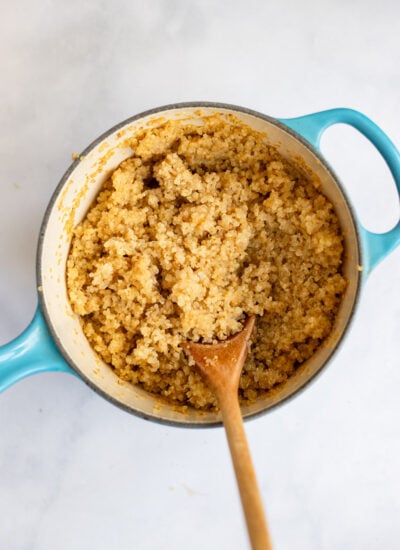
pixel 202 226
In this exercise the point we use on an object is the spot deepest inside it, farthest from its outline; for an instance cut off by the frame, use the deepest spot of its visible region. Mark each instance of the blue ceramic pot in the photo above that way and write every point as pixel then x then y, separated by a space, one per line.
pixel 54 340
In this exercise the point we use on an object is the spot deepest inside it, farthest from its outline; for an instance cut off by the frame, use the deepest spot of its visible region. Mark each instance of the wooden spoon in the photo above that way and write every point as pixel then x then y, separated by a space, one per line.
pixel 220 366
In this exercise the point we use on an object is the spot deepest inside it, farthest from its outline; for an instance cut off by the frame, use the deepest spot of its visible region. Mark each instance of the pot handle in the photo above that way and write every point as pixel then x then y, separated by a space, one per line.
pixel 31 352
pixel 376 246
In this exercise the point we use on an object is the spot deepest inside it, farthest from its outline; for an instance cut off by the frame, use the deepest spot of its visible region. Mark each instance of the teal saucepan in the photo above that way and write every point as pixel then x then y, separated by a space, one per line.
pixel 54 340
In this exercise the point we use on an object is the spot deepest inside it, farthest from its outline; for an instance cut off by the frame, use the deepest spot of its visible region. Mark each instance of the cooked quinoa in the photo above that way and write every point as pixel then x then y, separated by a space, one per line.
pixel 202 226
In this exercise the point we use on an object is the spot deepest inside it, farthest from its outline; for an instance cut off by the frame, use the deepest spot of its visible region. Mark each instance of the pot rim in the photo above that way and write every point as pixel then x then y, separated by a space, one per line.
pixel 65 178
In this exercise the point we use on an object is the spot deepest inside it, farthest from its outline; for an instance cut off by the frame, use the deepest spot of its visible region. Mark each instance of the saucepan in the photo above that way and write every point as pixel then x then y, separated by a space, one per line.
pixel 54 340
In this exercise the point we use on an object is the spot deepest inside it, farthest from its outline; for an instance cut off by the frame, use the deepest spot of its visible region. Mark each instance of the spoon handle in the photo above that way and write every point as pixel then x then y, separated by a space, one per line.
pixel 245 474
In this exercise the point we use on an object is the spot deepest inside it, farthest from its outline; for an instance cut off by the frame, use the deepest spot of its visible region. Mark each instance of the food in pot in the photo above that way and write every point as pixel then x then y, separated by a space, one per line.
pixel 202 226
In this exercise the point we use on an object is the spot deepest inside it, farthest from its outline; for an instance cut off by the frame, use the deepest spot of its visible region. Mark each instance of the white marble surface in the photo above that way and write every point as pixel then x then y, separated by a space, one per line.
pixel 77 473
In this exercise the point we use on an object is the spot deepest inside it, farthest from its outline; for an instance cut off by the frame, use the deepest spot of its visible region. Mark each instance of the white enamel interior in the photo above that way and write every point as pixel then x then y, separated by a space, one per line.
pixel 69 206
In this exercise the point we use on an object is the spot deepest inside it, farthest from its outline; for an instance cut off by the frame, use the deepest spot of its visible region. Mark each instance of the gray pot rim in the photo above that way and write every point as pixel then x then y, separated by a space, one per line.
pixel 60 186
